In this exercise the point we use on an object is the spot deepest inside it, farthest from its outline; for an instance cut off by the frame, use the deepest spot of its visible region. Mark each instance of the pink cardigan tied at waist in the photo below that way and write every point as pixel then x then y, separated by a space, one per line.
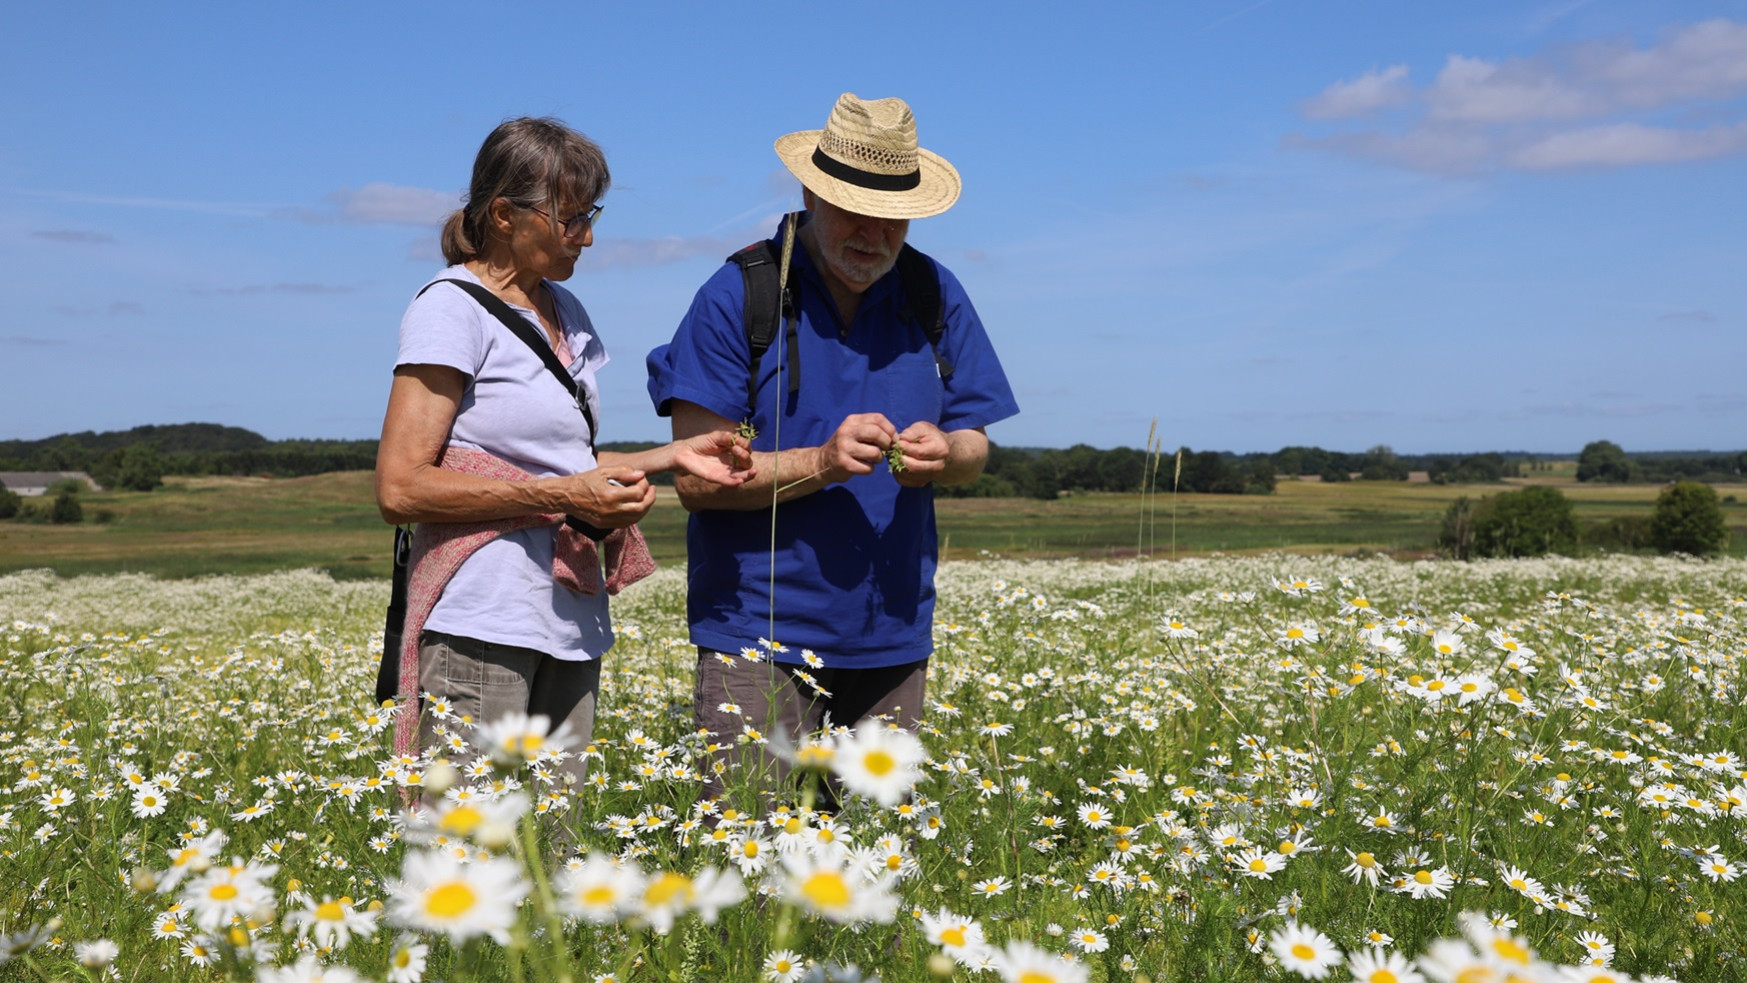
pixel 439 549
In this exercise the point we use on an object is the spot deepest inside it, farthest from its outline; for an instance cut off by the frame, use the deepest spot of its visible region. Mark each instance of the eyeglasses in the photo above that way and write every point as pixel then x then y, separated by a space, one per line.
pixel 576 224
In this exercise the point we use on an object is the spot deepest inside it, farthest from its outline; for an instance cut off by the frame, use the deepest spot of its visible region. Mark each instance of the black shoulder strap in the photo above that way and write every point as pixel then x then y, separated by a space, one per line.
pixel 922 301
pixel 519 326
pixel 763 309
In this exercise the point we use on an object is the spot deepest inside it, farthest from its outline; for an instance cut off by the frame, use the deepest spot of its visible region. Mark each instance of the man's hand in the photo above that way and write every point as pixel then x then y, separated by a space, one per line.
pixel 926 451
pixel 722 457
pixel 856 448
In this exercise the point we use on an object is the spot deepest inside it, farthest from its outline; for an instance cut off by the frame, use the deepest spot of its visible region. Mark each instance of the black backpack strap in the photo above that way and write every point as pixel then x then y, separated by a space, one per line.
pixel 922 302
pixel 763 309
pixel 519 326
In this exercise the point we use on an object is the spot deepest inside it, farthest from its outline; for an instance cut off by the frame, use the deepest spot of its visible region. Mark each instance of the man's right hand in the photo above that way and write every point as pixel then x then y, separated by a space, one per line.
pixel 856 448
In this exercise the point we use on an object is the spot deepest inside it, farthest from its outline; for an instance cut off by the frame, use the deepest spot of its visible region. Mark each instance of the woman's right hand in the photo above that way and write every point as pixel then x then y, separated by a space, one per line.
pixel 610 497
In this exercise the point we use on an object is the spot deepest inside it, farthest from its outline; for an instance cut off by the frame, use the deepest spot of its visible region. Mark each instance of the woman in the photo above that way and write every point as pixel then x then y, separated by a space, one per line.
pixel 492 453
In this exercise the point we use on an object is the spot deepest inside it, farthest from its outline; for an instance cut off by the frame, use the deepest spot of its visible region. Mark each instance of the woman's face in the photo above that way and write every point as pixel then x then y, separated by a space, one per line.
pixel 537 242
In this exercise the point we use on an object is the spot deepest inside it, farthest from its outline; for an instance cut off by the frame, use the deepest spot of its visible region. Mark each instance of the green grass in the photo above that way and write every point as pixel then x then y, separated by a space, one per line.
pixel 199 526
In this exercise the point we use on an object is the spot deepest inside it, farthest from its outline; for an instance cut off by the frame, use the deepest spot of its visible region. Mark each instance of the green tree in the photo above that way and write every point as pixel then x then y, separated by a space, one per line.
pixel 139 468
pixel 10 503
pixel 66 509
pixel 1381 464
pixel 1603 460
pixel 1529 522
pixel 1456 538
pixel 1689 519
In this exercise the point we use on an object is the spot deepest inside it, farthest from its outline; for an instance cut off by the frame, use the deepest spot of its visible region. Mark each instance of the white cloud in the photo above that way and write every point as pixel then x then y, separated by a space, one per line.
pixel 1703 62
pixel 74 235
pixel 1363 95
pixel 1523 113
pixel 1477 91
pixel 658 251
pixel 394 204
pixel 1627 144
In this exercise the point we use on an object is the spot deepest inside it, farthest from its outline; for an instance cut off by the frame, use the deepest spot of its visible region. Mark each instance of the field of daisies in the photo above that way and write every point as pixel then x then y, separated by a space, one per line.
pixel 1216 769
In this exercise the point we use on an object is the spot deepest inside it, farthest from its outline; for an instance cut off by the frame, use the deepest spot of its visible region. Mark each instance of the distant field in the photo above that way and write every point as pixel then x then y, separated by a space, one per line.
pixel 197 526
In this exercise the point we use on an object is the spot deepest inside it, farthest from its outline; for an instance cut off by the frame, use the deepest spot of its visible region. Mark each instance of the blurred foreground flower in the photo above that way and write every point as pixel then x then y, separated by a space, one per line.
pixel 879 762
pixel 438 893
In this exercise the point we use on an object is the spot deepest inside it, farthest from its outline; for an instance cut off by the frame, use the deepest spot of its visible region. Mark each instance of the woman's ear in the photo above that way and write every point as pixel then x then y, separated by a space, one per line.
pixel 500 214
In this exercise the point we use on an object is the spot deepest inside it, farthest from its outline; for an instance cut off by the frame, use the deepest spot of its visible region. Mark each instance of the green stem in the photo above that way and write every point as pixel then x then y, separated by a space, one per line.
pixel 545 903
pixel 1012 822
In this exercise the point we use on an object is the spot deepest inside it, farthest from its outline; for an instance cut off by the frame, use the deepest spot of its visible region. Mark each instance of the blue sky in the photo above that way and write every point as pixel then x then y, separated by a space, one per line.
pixel 1442 227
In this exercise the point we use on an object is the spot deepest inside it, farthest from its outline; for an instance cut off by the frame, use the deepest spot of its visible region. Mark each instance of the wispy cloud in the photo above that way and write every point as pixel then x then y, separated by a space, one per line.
pixel 380 203
pixel 1696 314
pixel 1589 105
pixel 659 251
pixel 1627 144
pixel 73 235
pixel 1234 15
pixel 253 289
pixel 1361 96
pixel 115 308
pixel 238 208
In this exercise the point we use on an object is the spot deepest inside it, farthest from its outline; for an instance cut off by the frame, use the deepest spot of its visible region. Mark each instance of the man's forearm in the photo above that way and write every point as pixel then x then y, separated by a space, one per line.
pixel 792 473
pixel 968 453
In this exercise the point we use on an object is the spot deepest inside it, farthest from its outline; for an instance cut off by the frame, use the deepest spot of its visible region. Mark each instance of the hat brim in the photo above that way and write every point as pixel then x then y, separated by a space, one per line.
pixel 936 192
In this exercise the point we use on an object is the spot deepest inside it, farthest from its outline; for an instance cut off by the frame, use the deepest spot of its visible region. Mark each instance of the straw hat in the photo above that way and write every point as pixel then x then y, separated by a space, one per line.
pixel 866 161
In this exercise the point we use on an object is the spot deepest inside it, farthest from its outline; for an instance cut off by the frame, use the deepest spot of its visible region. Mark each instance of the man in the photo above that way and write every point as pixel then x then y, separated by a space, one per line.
pixel 858 412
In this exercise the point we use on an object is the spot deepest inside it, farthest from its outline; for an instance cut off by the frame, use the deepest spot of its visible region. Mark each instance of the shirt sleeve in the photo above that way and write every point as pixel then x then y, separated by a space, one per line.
pixel 441 327
pixel 977 392
pixel 709 359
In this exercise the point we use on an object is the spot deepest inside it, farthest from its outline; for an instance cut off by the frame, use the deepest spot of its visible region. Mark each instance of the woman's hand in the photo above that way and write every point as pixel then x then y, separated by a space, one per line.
pixel 608 498
pixel 722 457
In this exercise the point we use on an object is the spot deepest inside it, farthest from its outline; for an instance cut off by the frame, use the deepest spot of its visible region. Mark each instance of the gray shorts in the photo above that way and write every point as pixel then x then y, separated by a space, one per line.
pixel 768 696
pixel 485 680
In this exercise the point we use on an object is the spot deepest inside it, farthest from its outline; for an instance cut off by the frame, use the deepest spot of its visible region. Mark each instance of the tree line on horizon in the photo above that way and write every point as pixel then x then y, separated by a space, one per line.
pixel 138 459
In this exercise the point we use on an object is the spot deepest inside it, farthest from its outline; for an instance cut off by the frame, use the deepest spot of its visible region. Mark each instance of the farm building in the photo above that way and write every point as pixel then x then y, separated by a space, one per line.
pixel 31 483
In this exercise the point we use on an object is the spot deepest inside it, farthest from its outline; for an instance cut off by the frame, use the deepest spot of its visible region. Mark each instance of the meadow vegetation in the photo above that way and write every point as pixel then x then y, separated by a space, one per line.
pixel 1232 768
pixel 208 525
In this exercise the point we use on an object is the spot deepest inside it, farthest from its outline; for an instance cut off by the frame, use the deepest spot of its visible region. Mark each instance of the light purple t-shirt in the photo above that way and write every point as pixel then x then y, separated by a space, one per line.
pixel 514 410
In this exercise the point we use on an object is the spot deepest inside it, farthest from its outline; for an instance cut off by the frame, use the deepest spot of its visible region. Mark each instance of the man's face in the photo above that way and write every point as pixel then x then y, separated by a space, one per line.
pixel 858 249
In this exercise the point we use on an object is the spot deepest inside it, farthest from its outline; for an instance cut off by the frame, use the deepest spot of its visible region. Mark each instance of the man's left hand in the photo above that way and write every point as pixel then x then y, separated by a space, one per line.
pixel 926 450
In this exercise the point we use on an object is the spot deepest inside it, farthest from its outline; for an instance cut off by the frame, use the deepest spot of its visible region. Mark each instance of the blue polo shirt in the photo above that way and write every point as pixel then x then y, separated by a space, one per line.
pixel 854 564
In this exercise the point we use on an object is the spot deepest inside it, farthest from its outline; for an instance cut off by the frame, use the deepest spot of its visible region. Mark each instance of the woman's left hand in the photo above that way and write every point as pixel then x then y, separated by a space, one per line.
pixel 722 456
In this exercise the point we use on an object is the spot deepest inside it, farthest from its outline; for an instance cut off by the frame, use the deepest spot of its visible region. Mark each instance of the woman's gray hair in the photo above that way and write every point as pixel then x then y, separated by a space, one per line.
pixel 529 163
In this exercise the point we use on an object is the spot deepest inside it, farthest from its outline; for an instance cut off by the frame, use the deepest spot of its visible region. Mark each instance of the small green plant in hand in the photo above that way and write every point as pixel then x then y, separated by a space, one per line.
pixel 895 458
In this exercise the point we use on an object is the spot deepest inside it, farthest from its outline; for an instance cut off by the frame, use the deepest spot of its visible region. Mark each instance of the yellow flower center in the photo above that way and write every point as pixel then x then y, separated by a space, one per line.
pixel 450 901
pixel 222 892
pixel 879 763
pixel 668 887
pixel 1303 951
pixel 462 820
pixel 1424 876
pixel 1510 949
pixel 953 936
pixel 330 911
pixel 599 895
pixel 1365 860
pixel 826 889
